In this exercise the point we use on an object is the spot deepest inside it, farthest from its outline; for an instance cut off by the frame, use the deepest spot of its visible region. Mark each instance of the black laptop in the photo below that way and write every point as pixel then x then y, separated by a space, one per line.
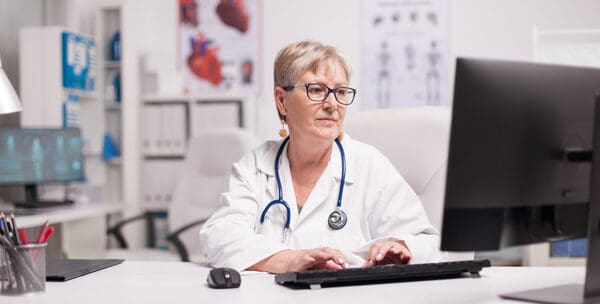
pixel 64 270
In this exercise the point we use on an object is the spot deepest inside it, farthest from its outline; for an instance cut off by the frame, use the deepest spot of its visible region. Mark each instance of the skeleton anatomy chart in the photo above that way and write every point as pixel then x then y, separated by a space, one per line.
pixel 404 53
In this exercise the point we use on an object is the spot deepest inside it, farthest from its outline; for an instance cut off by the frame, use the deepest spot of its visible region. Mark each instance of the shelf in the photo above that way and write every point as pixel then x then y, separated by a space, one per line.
pixel 165 157
pixel 113 106
pixel 112 64
pixel 115 161
pixel 155 207
pixel 90 153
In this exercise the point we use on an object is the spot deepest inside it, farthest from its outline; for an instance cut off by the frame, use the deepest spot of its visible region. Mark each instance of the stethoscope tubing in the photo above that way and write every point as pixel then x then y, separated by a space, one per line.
pixel 280 200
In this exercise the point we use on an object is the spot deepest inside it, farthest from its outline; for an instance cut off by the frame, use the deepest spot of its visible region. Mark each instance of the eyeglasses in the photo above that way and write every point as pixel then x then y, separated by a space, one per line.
pixel 318 92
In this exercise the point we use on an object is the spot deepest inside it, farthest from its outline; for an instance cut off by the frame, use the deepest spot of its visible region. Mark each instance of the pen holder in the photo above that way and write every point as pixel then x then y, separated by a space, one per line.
pixel 22 269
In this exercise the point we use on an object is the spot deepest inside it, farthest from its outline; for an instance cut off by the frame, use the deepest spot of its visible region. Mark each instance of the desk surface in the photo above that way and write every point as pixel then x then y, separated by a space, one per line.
pixel 176 282
pixel 62 214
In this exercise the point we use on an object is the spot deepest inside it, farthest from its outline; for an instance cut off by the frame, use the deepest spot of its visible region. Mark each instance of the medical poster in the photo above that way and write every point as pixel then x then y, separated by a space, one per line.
pixel 219 46
pixel 78 62
pixel 405 53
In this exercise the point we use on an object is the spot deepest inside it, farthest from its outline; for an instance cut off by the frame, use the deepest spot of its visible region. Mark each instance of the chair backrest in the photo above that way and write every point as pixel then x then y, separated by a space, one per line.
pixel 204 177
pixel 415 140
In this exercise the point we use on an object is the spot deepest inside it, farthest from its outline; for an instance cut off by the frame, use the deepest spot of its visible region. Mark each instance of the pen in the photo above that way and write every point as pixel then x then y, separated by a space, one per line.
pixel 23 236
pixel 47 234
pixel 4 225
pixel 15 237
pixel 11 233
pixel 43 239
pixel 41 233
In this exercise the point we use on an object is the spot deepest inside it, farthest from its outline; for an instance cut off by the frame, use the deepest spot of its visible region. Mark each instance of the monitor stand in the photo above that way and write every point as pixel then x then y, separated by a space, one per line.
pixel 32 200
pixel 589 292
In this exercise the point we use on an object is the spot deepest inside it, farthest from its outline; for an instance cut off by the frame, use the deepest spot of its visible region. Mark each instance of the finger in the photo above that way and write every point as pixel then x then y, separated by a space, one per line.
pixel 331 265
pixel 321 255
pixel 383 251
pixel 398 254
pixel 304 262
pixel 373 251
pixel 369 263
pixel 403 251
pixel 406 255
pixel 338 257
pixel 376 253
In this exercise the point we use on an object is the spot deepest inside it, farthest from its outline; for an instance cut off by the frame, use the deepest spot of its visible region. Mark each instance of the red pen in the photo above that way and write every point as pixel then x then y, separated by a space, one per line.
pixel 47 234
pixel 44 237
pixel 23 237
pixel 42 232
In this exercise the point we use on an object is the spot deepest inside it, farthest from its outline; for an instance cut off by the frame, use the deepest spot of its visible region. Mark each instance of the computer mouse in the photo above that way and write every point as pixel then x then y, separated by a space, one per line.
pixel 223 278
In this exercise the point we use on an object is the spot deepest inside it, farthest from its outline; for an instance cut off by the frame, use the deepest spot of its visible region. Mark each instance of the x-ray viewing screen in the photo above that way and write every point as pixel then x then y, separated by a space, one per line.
pixel 32 156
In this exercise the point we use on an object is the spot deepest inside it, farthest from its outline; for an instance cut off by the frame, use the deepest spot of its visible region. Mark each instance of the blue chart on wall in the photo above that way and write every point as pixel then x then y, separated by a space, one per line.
pixel 78 60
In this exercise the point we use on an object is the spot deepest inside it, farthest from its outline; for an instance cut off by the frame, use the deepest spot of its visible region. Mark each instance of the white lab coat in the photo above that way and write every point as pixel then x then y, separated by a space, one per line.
pixel 378 201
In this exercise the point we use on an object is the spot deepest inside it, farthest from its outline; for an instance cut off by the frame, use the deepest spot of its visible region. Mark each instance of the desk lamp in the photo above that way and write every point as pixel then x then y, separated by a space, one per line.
pixel 9 101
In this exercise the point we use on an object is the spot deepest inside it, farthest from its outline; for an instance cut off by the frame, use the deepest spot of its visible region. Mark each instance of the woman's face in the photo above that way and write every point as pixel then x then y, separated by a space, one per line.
pixel 310 119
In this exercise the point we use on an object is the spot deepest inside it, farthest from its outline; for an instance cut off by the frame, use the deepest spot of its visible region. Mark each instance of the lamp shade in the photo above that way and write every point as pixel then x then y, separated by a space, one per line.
pixel 9 101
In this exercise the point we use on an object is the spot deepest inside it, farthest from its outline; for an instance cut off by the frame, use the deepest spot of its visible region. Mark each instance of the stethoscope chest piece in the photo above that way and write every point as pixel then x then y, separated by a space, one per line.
pixel 337 219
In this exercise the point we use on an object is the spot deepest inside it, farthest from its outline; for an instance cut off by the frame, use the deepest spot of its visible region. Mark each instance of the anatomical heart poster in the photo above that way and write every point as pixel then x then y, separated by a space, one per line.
pixel 219 46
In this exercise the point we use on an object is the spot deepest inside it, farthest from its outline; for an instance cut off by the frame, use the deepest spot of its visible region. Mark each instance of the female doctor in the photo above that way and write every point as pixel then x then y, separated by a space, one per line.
pixel 316 199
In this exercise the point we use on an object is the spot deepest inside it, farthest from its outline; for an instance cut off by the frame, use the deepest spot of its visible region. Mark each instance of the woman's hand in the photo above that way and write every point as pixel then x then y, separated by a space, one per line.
pixel 298 260
pixel 388 252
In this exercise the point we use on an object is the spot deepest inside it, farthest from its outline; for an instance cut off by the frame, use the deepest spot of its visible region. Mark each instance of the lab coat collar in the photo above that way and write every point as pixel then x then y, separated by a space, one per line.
pixel 267 163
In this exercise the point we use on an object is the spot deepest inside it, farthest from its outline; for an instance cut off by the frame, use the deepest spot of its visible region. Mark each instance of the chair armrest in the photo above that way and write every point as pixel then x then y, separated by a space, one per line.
pixel 116 229
pixel 176 241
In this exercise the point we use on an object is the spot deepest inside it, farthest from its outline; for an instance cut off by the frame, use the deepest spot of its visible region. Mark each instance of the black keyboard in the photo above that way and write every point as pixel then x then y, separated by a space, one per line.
pixel 381 274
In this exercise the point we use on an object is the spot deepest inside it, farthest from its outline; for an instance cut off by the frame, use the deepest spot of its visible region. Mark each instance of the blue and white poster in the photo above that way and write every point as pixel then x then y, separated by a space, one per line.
pixel 78 62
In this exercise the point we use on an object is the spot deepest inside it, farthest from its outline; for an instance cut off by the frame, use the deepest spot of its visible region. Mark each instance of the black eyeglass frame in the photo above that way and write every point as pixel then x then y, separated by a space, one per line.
pixel 329 91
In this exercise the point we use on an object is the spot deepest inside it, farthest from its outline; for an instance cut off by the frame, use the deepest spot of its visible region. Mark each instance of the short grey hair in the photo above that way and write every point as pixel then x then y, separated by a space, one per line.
pixel 300 57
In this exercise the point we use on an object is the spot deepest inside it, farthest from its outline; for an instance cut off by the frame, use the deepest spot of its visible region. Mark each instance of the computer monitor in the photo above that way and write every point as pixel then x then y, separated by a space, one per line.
pixel 520 167
pixel 31 157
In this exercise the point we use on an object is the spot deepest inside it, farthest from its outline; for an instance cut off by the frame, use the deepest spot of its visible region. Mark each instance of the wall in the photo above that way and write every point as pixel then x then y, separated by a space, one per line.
pixel 13 15
pixel 484 28
pixel 502 29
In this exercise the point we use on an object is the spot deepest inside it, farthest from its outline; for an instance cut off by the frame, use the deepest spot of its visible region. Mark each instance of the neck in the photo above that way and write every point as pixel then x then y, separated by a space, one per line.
pixel 304 154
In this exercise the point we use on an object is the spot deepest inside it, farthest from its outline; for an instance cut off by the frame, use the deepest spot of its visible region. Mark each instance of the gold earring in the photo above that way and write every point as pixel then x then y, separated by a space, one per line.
pixel 341 135
pixel 283 132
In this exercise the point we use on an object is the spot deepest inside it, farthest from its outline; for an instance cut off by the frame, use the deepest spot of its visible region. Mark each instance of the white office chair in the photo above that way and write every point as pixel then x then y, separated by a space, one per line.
pixel 208 161
pixel 415 140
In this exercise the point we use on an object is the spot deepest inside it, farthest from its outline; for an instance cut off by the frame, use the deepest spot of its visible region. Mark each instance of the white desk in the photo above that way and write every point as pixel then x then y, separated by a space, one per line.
pixel 75 212
pixel 81 228
pixel 176 282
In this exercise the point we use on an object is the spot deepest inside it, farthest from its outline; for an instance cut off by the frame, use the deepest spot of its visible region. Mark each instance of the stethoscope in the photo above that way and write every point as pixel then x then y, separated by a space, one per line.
pixel 336 220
